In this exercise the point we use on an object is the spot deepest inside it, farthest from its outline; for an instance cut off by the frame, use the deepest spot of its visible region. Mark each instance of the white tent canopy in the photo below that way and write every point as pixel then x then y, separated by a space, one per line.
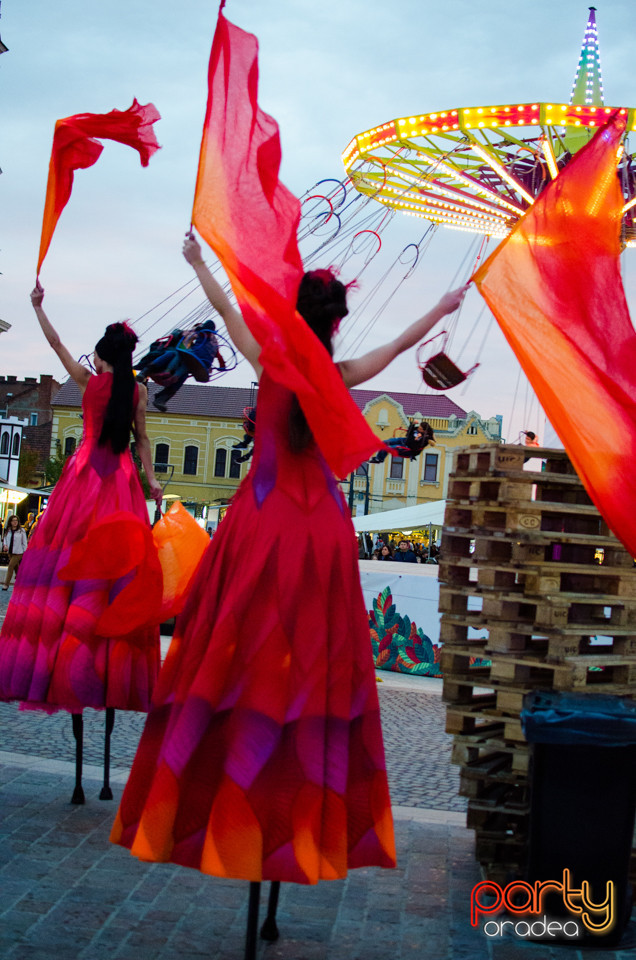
pixel 407 518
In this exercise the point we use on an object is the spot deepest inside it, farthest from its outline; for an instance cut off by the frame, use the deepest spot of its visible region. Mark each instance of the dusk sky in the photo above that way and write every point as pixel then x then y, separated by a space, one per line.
pixel 328 71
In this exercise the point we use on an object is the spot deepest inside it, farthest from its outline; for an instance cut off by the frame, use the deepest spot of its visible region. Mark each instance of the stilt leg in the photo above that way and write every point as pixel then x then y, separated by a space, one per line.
pixel 269 930
pixel 107 793
pixel 78 733
pixel 252 921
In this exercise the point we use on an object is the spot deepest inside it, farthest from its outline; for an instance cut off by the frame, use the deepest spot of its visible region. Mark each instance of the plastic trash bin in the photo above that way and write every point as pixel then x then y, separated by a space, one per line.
pixel 583 799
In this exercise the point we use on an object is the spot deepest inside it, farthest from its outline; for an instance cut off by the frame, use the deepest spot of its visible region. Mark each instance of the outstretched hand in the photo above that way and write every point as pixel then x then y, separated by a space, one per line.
pixel 452 300
pixel 192 249
pixel 37 294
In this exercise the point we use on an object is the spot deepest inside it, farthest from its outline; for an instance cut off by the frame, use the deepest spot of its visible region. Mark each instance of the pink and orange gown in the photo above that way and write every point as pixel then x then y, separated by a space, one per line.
pixel 262 755
pixel 50 656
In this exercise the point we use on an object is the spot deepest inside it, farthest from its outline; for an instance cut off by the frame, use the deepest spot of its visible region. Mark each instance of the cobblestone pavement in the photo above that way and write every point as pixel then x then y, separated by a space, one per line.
pixel 67 894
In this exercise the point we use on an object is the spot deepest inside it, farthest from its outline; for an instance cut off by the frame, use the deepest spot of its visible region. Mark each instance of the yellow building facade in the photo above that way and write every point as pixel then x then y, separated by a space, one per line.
pixel 192 444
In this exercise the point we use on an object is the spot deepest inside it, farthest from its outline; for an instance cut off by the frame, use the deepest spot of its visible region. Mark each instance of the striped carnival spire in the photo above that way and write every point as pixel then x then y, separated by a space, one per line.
pixel 588 84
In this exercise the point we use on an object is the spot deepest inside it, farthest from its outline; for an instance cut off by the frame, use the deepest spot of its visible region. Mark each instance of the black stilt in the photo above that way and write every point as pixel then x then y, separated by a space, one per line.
pixel 106 792
pixel 78 733
pixel 269 930
pixel 252 921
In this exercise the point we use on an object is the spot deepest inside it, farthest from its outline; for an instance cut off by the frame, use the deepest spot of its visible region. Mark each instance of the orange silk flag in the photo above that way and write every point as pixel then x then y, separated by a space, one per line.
pixel 74 148
pixel 555 287
pixel 250 221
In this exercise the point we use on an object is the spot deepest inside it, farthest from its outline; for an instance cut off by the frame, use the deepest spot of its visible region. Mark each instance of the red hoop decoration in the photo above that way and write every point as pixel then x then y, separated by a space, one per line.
pixel 375 234
pixel 319 196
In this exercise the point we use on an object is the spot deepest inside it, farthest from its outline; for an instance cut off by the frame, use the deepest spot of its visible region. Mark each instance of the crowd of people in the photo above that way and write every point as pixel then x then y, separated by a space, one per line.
pixel 400 550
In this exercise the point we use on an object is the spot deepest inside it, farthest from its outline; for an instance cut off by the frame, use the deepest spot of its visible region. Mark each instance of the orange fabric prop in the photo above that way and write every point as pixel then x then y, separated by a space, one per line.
pixel 181 543
pixel 250 220
pixel 555 287
pixel 74 148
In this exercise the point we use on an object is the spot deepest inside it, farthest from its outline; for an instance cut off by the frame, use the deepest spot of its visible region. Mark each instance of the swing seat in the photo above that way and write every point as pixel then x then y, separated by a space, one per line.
pixel 441 373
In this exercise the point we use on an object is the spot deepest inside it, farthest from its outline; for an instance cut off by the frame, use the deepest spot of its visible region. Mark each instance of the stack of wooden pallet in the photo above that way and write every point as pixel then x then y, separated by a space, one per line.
pixel 535 593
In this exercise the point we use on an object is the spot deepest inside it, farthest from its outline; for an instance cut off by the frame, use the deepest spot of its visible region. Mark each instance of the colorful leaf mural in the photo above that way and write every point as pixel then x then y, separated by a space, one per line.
pixel 398 643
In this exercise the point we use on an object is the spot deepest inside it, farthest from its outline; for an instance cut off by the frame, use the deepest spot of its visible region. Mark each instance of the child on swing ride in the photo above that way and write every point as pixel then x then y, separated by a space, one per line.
pixel 172 359
pixel 418 436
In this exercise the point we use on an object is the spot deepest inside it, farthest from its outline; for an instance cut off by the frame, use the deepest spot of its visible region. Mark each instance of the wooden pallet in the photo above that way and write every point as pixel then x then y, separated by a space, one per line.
pixel 486 548
pixel 538 579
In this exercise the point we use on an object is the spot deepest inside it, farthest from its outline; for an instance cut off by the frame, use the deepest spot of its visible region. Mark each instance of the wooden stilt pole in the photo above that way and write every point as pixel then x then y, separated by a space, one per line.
pixel 252 921
pixel 106 792
pixel 269 930
pixel 78 733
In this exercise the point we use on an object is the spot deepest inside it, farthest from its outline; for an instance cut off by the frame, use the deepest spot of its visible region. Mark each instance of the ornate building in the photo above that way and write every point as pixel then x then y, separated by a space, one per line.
pixel 192 443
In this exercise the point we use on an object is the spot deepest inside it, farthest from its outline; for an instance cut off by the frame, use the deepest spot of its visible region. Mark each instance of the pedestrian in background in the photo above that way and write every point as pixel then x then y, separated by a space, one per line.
pixel 14 543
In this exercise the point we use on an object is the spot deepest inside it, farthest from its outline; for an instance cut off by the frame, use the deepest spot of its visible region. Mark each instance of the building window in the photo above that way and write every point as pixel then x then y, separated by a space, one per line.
pixel 472 430
pixel 190 459
pixel 162 452
pixel 4 444
pixel 33 420
pixel 397 468
pixel 16 445
pixel 235 464
pixel 219 462
pixel 430 467
pixel 69 446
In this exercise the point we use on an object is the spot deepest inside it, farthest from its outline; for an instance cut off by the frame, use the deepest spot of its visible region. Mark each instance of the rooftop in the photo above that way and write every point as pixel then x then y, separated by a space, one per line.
pixel 209 400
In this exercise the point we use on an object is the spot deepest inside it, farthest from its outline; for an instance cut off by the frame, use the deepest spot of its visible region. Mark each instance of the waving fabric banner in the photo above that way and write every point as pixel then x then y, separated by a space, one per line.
pixel 76 146
pixel 250 220
pixel 555 287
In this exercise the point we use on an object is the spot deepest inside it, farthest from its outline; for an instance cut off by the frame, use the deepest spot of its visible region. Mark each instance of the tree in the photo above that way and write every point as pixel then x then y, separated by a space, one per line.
pixel 28 465
pixel 54 465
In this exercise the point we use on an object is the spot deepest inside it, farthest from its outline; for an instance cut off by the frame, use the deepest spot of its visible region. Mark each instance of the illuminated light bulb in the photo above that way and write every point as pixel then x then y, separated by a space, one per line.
pixel 563 106
pixel 578 109
pixel 549 106
pixel 521 122
pixel 577 123
pixel 455 126
pixel 480 110
pixel 434 129
pixel 507 123
pixel 454 113
pixel 622 112
pixel 506 109
pixel 481 124
pixel 535 106
pixel 520 107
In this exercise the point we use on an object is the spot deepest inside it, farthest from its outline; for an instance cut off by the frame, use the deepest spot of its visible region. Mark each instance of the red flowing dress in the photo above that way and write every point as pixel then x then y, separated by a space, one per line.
pixel 262 755
pixel 50 655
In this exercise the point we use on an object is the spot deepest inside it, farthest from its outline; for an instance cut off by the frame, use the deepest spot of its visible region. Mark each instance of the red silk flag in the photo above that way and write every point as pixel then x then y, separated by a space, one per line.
pixel 250 219
pixel 555 287
pixel 74 148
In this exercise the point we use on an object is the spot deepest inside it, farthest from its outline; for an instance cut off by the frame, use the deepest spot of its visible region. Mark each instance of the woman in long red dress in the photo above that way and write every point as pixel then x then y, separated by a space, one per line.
pixel 262 754
pixel 51 656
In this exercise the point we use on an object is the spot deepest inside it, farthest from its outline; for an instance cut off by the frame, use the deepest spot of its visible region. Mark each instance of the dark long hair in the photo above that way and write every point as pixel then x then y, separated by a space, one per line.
pixel 322 303
pixel 115 348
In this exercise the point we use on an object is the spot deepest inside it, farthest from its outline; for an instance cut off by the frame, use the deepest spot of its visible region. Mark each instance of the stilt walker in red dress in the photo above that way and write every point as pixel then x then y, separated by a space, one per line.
pixel 57 651
pixel 262 755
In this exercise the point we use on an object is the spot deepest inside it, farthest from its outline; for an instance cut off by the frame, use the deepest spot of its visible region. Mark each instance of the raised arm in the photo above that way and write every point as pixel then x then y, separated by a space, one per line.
pixel 78 373
pixel 236 326
pixel 365 367
pixel 143 445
